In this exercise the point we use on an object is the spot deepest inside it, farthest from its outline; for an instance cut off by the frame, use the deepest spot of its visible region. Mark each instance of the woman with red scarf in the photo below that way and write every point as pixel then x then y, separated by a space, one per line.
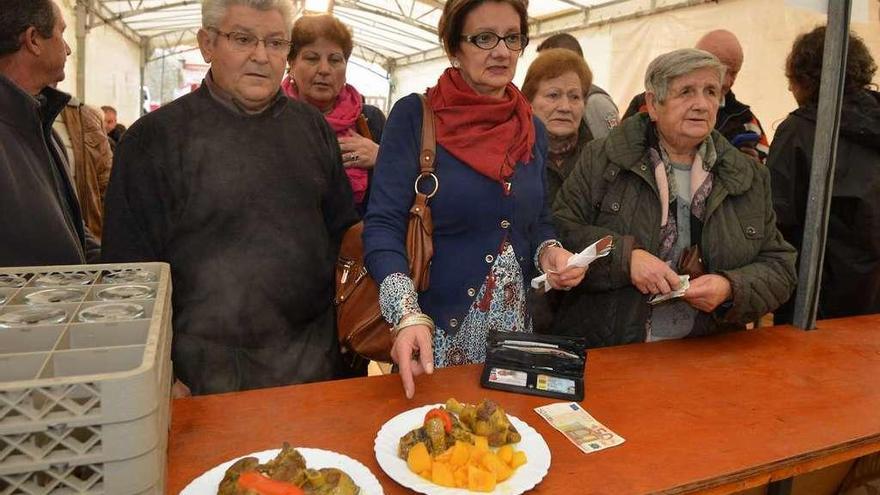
pixel 492 227
pixel 318 59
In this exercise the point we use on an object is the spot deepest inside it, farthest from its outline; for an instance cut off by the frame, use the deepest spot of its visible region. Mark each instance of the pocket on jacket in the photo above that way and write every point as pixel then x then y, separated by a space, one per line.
pixel 752 226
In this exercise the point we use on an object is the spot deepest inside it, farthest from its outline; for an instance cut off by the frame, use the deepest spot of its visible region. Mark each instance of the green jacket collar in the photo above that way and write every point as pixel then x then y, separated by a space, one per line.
pixel 627 147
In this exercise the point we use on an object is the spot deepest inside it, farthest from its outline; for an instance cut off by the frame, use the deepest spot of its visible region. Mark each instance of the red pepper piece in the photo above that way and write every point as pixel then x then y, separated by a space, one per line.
pixel 252 480
pixel 442 415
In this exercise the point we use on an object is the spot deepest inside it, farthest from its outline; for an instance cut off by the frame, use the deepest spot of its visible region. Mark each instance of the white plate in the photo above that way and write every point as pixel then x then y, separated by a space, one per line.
pixel 207 483
pixel 525 478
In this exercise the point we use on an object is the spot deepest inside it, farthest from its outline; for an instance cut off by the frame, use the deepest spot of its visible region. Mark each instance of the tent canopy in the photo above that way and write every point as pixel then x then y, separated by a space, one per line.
pixel 386 32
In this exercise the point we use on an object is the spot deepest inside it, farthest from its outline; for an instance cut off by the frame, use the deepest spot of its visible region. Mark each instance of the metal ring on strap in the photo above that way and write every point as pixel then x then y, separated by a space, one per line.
pixel 436 183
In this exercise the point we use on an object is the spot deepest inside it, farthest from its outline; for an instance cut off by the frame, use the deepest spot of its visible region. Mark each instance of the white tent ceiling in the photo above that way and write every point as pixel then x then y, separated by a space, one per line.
pixel 386 32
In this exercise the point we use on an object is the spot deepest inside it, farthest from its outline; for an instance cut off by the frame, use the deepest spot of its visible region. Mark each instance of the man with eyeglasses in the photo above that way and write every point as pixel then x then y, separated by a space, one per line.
pixel 242 191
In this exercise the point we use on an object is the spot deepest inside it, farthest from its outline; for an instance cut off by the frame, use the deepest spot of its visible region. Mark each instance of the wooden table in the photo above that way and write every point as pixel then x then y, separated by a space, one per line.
pixel 713 414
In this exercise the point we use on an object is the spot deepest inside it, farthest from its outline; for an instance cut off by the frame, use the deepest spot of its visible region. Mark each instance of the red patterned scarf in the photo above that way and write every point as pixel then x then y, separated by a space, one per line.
pixel 489 134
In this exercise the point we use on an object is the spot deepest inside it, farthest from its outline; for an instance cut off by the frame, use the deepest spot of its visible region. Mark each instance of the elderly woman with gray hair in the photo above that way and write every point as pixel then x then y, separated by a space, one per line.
pixel 677 199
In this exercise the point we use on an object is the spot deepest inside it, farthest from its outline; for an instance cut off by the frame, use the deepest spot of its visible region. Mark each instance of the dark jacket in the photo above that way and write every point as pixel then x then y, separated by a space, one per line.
pixel 733 118
pixel 116 135
pixel 556 175
pixel 851 272
pixel 249 210
pixel 375 123
pixel 471 216
pixel 612 191
pixel 40 223
pixel 543 305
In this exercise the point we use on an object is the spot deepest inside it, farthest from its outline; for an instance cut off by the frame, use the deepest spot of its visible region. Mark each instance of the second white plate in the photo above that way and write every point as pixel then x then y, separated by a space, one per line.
pixel 525 478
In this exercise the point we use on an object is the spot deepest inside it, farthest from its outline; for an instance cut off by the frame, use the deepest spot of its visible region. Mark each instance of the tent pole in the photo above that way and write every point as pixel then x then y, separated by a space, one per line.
pixel 824 157
pixel 145 48
pixel 81 10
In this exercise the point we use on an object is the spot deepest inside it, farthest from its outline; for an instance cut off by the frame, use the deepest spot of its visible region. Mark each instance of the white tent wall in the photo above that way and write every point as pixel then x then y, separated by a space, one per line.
pixel 619 52
pixel 112 73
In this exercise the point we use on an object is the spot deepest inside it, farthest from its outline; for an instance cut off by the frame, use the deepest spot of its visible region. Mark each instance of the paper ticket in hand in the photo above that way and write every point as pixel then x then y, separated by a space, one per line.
pixel 578 426
pixel 684 281
pixel 594 251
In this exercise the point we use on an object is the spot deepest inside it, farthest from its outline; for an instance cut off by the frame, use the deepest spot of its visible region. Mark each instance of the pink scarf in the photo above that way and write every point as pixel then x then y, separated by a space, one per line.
pixel 343 119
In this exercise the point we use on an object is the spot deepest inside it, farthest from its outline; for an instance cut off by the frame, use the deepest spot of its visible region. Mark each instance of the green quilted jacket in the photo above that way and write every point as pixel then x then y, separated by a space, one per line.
pixel 612 191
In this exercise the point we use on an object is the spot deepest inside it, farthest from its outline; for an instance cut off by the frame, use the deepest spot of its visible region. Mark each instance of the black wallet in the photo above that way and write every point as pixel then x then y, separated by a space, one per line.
pixel 546 365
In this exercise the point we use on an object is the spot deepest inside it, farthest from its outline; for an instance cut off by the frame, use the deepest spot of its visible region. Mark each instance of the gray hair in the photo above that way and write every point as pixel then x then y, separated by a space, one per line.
pixel 213 11
pixel 667 67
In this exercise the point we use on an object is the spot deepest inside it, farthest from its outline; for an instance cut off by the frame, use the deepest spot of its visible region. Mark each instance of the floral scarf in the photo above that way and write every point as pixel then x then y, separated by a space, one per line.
pixel 701 186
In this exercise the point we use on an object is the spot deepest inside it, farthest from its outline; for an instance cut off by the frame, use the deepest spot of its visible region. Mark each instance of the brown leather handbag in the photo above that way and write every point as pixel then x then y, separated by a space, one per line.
pixel 361 328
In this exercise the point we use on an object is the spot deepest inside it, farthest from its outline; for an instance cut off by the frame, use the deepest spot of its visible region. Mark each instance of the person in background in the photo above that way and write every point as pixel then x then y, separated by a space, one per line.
pixel 735 120
pixel 41 222
pixel 662 183
pixel 242 191
pixel 492 226
pixel 557 84
pixel 318 60
pixel 601 114
pixel 112 127
pixel 87 147
pixel 851 270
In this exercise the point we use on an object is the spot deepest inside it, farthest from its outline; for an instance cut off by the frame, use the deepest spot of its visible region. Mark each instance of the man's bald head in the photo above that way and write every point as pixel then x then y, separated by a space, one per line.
pixel 724 45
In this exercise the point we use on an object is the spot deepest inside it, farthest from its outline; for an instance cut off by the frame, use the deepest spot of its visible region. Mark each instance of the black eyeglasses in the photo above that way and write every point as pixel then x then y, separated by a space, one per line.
pixel 489 40
pixel 245 41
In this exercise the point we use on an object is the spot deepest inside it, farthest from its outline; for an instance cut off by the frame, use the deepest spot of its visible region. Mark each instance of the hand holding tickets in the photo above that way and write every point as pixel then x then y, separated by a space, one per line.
pixel 594 251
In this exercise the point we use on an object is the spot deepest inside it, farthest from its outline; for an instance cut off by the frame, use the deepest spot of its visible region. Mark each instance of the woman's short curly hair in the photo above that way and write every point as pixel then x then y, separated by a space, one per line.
pixel 803 65
pixel 554 62
pixel 309 28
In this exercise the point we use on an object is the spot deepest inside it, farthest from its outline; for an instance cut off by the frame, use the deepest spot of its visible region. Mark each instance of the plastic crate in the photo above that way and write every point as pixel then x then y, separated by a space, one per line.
pixel 84 406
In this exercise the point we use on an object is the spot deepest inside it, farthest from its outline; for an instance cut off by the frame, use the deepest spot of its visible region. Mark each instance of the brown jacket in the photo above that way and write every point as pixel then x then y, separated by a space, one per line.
pixel 92 161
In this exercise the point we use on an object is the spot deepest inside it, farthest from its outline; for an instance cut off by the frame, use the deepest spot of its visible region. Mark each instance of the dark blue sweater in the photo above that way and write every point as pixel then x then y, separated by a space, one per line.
pixel 472 216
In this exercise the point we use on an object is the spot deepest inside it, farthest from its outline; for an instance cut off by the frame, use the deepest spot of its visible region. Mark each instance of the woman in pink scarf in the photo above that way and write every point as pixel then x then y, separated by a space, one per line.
pixel 318 59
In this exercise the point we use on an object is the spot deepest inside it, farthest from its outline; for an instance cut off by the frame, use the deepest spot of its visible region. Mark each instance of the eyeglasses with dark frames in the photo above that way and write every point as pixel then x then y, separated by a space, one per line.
pixel 489 40
pixel 246 41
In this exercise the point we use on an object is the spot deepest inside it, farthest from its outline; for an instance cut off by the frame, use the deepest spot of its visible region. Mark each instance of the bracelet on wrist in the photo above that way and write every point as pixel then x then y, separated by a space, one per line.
pixel 413 319
pixel 541 249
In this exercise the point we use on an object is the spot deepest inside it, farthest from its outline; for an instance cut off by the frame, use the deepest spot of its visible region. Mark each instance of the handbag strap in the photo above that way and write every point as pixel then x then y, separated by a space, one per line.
pixel 420 228
pixel 429 143
pixel 363 128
